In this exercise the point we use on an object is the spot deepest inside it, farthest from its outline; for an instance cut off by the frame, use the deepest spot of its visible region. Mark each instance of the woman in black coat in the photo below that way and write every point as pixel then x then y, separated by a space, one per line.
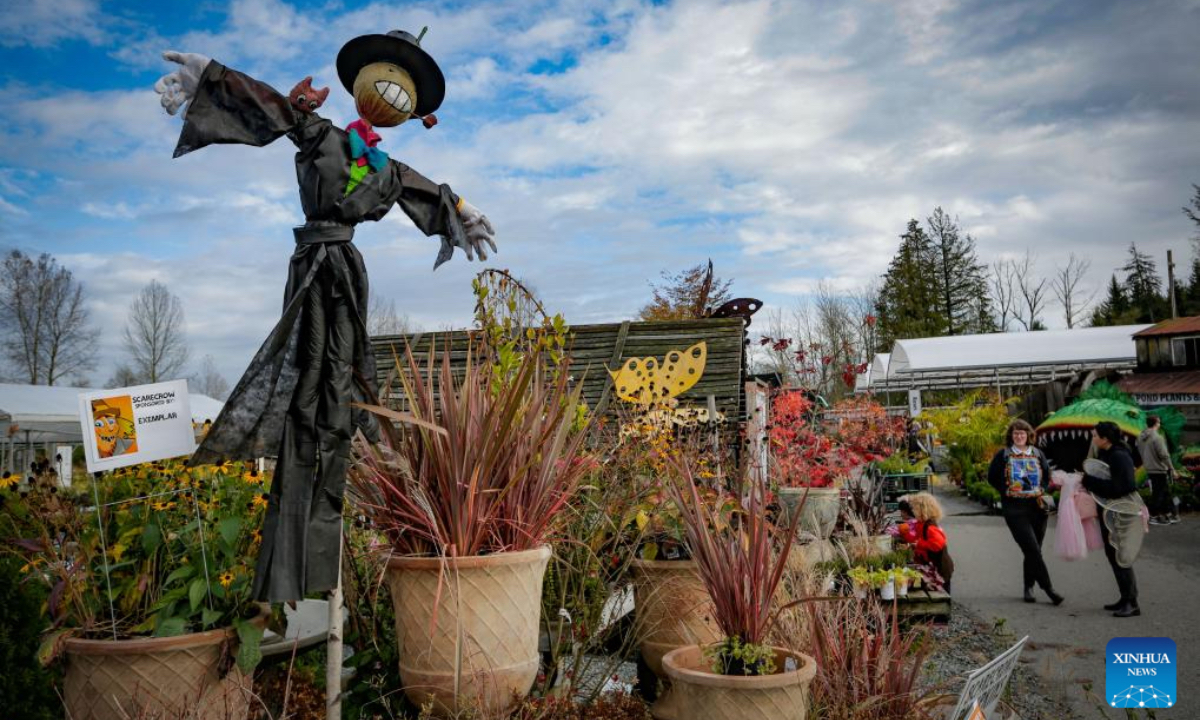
pixel 1020 473
pixel 1106 436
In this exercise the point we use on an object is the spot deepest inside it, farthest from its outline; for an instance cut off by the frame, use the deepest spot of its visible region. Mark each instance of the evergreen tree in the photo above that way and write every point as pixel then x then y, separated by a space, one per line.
pixel 1190 298
pixel 961 278
pixel 909 303
pixel 1143 286
pixel 1114 309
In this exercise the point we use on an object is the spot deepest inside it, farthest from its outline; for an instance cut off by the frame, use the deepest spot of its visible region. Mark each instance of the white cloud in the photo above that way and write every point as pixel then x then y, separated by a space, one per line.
pixel 44 23
pixel 791 142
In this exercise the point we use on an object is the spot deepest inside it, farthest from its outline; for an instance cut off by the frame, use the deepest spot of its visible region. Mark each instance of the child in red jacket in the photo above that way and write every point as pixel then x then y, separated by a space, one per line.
pixel 920 514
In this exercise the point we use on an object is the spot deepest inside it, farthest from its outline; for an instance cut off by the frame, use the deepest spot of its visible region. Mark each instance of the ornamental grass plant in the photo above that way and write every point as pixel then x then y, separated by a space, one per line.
pixel 869 666
pixel 475 467
pixel 742 562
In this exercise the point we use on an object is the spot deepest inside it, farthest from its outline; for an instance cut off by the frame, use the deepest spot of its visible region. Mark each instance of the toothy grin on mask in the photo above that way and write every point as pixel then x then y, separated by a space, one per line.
pixel 394 95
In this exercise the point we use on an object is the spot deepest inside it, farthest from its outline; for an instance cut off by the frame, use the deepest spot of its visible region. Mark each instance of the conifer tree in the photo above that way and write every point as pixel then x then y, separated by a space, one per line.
pixel 1114 309
pixel 1143 287
pixel 909 304
pixel 961 278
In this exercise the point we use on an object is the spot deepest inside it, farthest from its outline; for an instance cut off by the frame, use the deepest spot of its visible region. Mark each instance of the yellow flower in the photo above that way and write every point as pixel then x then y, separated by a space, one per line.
pixel 260 500
pixel 225 578
pixel 117 551
pixel 252 477
pixel 8 479
pixel 256 536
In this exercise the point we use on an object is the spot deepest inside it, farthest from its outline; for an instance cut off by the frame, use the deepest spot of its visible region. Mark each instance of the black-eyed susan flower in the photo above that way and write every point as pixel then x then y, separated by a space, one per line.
pixel 252 476
pixel 225 578
pixel 260 500
pixel 8 480
pixel 256 536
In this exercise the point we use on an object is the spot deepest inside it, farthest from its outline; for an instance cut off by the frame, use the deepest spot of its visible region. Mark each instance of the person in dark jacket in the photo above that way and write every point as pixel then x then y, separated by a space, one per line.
pixel 1156 458
pixel 1020 473
pixel 1106 436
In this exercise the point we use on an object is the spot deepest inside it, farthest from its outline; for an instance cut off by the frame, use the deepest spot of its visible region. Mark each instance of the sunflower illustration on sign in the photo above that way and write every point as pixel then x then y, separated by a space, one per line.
pixel 112 419
pixel 650 383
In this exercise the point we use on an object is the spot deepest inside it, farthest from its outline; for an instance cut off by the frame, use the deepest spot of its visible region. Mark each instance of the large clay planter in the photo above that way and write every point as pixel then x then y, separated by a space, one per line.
pixel 153 677
pixel 673 610
pixel 820 512
pixel 705 695
pixel 483 648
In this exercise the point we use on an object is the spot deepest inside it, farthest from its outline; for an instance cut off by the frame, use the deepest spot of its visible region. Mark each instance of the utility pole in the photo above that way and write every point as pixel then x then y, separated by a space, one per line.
pixel 1171 283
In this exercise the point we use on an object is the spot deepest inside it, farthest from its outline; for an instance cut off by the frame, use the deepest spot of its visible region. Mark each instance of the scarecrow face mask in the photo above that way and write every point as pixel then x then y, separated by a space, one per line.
pixel 384 94
pixel 107 430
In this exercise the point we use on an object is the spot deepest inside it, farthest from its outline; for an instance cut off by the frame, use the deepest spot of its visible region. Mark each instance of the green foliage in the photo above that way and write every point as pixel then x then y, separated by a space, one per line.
pixel 900 464
pixel 908 304
pixel 733 657
pixel 973 427
pixel 27 688
pixel 172 550
pixel 935 284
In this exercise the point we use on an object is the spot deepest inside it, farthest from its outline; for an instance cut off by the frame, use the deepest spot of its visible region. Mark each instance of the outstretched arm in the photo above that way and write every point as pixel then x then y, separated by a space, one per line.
pixel 223 105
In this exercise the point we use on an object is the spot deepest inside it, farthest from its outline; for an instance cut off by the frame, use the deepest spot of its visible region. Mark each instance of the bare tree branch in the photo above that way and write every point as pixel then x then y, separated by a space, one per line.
pixel 209 381
pixel 154 335
pixel 1066 288
pixel 1004 294
pixel 43 317
pixel 382 318
pixel 1031 291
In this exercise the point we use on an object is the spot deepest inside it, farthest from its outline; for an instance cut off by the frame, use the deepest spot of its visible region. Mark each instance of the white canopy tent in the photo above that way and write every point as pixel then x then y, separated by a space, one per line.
pixel 45 414
pixel 1003 359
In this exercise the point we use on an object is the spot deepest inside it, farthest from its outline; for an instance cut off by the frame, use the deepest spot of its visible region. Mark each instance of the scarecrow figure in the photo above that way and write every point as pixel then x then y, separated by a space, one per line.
pixel 295 398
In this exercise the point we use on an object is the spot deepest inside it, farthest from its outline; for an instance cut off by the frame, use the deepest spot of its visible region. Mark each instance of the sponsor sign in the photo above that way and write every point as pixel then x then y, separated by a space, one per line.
pixel 143 423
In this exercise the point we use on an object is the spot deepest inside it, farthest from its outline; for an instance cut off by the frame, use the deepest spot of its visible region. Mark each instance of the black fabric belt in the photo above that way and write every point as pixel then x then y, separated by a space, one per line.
pixel 323 233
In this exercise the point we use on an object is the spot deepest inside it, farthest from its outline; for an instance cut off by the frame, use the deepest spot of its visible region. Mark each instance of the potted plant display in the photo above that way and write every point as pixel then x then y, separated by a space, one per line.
pixel 885 580
pixel 808 464
pixel 672 604
pixel 149 577
pixel 860 581
pixel 741 564
pixel 467 493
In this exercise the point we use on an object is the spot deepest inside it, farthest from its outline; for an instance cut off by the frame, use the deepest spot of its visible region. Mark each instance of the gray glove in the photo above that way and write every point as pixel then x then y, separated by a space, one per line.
pixel 179 87
pixel 479 230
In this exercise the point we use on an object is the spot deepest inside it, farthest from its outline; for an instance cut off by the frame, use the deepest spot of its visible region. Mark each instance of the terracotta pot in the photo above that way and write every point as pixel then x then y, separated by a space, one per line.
pixel 481 649
pixel 705 695
pixel 820 512
pixel 673 610
pixel 169 676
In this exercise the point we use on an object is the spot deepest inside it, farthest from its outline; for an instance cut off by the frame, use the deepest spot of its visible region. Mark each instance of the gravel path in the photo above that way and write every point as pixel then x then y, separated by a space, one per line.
pixel 967 643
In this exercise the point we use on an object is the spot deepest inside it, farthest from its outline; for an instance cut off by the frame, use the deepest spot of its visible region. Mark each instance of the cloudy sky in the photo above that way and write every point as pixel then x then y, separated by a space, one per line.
pixel 610 140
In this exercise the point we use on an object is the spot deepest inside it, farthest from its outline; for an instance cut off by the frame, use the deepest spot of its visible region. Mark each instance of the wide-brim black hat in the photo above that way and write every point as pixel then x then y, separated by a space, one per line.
pixel 399 48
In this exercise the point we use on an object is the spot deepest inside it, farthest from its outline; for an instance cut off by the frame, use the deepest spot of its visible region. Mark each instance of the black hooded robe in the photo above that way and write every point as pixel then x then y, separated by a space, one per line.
pixel 294 399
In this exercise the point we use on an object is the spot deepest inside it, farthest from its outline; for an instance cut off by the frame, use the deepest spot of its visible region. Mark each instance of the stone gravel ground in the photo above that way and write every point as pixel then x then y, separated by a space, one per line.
pixel 967 643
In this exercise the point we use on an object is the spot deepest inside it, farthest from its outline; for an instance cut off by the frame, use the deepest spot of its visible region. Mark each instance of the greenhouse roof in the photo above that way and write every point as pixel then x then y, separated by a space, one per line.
pixel 51 413
pixel 1003 359
pixel 996 350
